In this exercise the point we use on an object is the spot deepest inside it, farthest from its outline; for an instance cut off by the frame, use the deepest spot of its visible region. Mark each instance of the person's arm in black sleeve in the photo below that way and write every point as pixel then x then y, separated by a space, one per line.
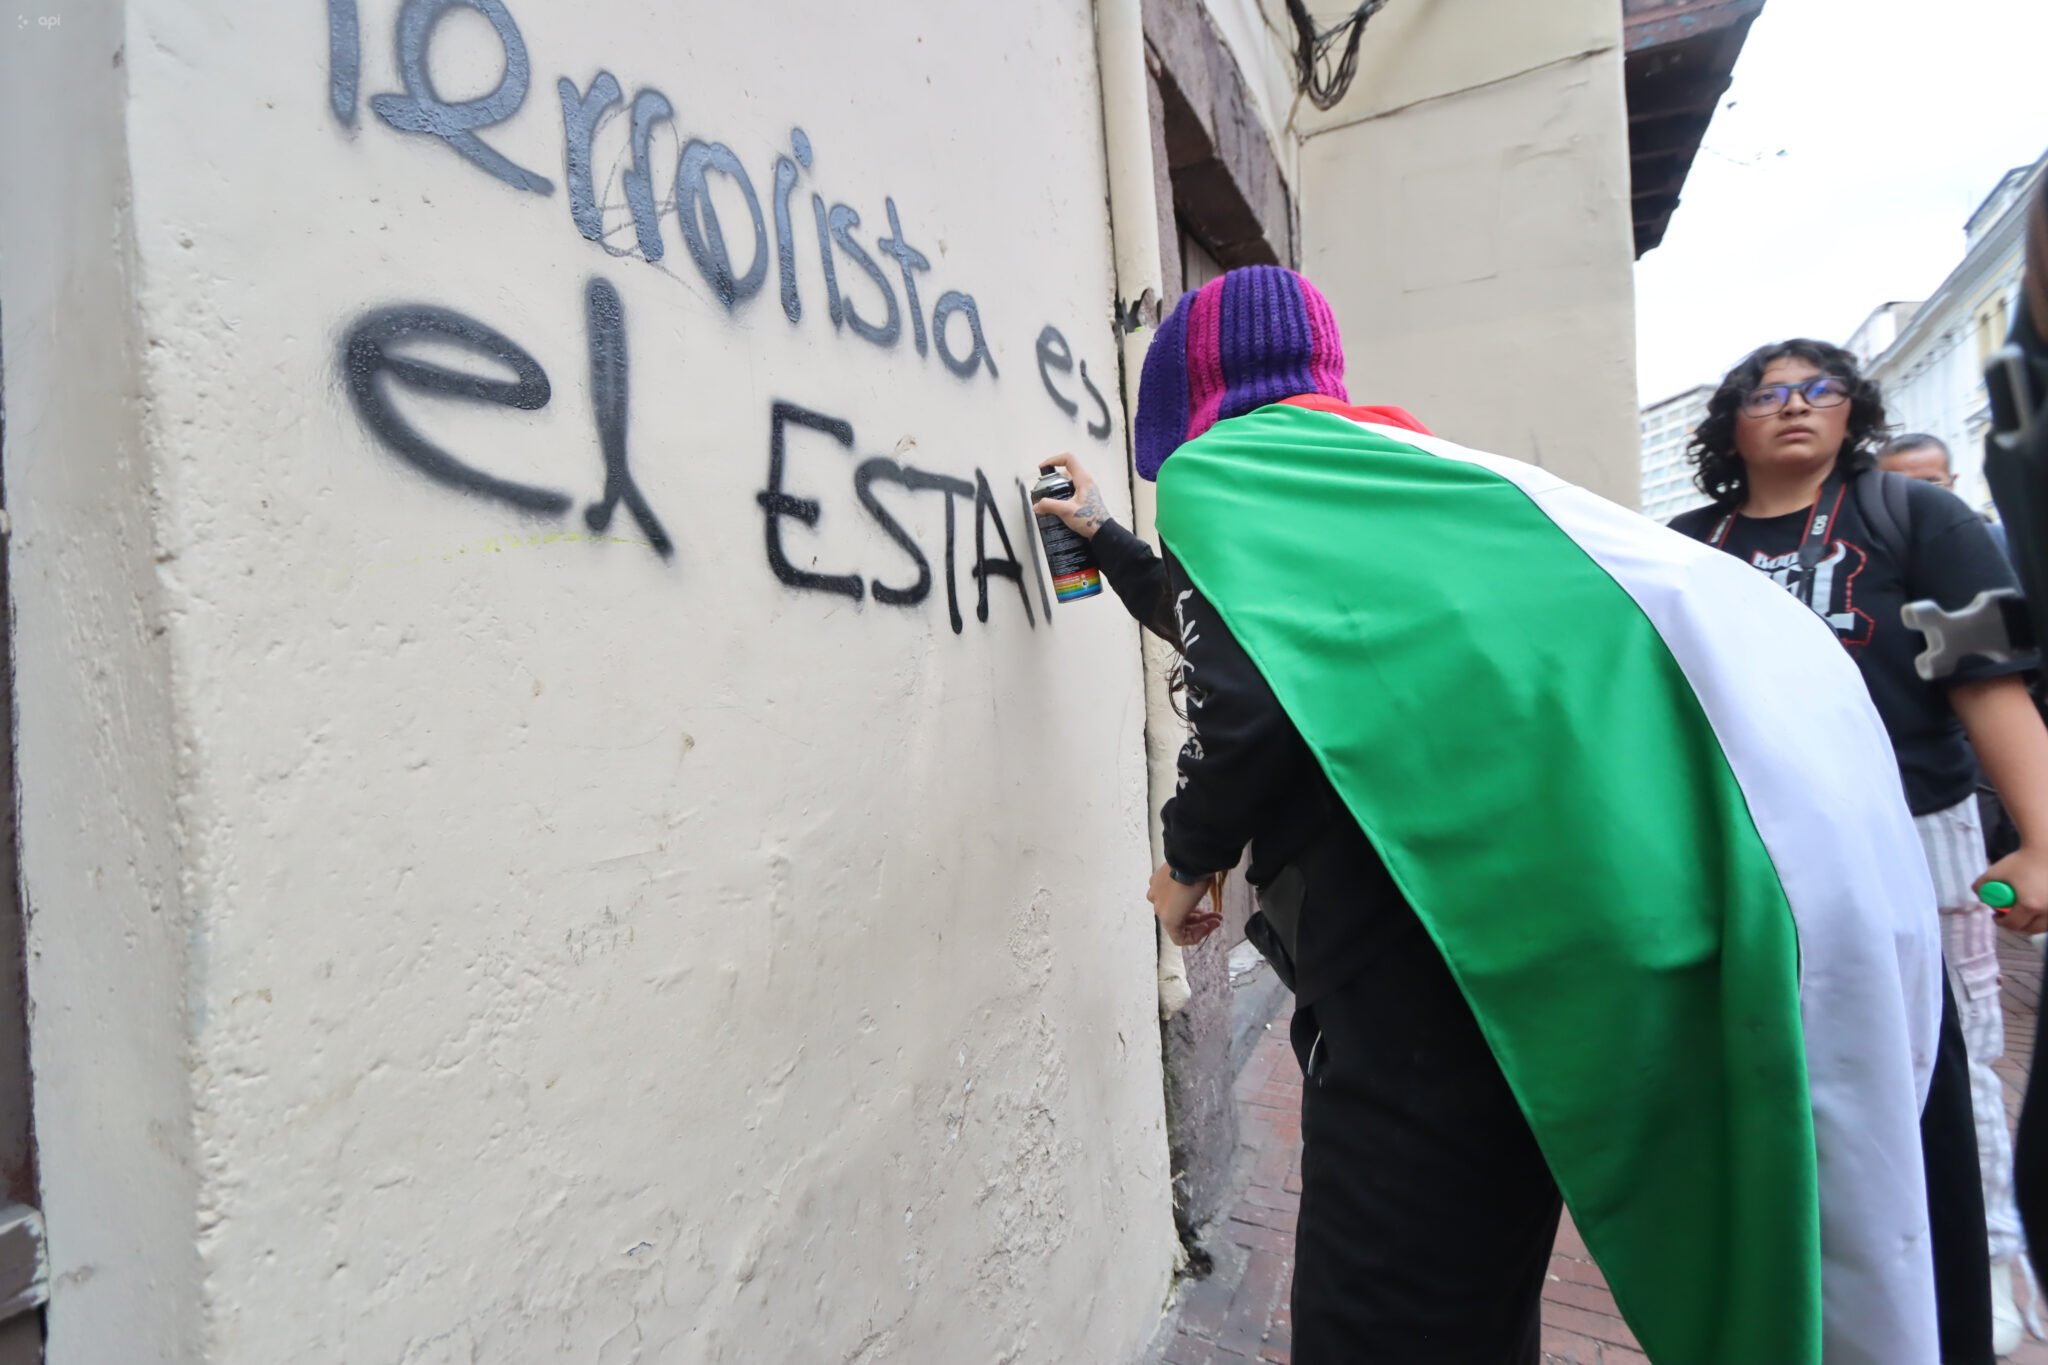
pixel 1241 748
pixel 1138 577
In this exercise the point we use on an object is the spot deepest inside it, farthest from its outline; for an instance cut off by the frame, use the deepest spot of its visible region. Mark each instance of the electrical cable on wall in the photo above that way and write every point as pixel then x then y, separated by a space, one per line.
pixel 1312 51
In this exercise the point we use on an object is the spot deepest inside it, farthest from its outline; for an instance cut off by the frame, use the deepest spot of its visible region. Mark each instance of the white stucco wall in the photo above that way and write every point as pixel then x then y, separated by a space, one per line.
pixel 105 767
pixel 571 951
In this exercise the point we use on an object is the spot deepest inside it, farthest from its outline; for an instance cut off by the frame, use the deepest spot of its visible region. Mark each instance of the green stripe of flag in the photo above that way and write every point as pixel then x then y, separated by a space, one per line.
pixel 1521 747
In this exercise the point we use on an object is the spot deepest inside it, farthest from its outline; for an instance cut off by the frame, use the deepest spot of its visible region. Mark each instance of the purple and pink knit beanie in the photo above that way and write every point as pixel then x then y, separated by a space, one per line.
pixel 1257 335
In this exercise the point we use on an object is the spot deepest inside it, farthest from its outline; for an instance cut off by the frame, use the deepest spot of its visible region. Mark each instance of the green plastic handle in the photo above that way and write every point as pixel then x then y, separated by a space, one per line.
pixel 1997 895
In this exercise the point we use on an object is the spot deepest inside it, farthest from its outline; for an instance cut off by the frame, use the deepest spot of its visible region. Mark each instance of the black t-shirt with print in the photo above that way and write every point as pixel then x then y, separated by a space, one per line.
pixel 1859 587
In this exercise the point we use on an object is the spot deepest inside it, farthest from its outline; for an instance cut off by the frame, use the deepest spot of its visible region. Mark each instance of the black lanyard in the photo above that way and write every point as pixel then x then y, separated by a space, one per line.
pixel 1826 506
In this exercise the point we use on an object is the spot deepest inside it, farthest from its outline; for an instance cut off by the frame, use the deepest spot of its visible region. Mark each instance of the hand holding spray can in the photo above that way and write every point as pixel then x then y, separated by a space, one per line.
pixel 1067 553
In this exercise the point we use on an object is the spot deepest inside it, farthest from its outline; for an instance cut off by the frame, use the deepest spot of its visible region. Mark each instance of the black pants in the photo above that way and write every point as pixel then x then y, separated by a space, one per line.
pixel 1427 1212
pixel 1955 1200
pixel 2030 1164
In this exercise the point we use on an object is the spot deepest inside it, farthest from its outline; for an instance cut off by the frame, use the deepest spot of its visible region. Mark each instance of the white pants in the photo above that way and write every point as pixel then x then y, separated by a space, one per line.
pixel 1954 841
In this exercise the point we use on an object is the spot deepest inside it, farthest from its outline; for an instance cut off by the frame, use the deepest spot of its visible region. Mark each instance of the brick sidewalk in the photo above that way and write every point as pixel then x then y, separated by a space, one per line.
pixel 1238 1312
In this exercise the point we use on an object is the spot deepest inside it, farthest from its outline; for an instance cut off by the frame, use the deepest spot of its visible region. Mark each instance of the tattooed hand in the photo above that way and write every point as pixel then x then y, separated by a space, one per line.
pixel 1085 512
pixel 1179 907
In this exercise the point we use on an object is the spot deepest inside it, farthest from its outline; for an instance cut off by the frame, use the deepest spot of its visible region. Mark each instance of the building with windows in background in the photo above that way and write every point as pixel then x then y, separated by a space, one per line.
pixel 1930 357
pixel 1878 331
pixel 1667 427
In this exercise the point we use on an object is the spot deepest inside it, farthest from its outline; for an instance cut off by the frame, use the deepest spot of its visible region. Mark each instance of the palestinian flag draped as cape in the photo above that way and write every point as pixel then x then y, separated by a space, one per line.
pixel 1639 797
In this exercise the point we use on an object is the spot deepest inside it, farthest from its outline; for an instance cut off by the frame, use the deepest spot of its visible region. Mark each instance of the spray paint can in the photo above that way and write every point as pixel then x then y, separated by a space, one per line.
pixel 1067 555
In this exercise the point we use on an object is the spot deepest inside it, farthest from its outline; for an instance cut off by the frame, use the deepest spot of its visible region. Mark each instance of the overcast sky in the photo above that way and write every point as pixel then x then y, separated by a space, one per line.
pixel 1894 119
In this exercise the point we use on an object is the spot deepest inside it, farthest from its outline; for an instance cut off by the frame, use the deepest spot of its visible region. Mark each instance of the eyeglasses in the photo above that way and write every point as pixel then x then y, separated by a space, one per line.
pixel 1828 391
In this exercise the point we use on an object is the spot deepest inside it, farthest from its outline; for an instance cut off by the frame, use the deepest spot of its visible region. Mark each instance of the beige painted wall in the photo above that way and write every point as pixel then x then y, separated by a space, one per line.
pixel 463 935
pixel 1416 51
pixel 1476 251
pixel 1466 210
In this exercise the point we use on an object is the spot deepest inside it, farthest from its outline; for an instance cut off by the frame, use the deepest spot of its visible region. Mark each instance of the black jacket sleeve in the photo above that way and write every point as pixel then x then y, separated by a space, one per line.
pixel 1138 576
pixel 1244 763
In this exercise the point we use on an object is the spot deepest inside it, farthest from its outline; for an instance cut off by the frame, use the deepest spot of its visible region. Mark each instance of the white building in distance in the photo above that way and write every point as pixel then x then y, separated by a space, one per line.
pixel 1667 427
pixel 1930 357
pixel 1881 329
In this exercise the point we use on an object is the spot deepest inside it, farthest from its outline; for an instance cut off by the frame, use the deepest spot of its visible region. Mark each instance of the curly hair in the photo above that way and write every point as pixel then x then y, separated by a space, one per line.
pixel 1719 471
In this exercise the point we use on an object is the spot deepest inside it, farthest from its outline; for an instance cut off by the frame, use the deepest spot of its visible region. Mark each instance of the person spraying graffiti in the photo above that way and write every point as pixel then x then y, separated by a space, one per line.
pixel 1559 878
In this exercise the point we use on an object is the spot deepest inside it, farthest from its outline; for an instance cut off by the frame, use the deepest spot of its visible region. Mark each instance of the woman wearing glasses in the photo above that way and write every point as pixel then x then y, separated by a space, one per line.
pixel 1787 453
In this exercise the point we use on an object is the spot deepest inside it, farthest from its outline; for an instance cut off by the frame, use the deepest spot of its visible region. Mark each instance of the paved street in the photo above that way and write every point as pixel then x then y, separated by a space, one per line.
pixel 1238 1313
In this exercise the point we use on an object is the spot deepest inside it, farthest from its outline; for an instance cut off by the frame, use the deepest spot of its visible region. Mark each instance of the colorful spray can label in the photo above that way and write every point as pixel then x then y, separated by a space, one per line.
pixel 1067 554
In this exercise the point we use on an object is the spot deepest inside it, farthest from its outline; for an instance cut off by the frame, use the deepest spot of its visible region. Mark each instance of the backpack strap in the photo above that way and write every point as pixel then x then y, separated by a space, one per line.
pixel 1882 501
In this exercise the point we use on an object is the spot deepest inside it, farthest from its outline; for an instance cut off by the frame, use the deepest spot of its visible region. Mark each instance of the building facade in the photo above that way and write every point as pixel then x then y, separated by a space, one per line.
pixel 1932 371
pixel 1875 334
pixel 1667 428
pixel 559 818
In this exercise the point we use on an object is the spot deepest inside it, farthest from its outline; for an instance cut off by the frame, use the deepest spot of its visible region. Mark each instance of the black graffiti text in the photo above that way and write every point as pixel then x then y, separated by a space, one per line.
pixel 777 502
pixel 733 258
pixel 376 364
